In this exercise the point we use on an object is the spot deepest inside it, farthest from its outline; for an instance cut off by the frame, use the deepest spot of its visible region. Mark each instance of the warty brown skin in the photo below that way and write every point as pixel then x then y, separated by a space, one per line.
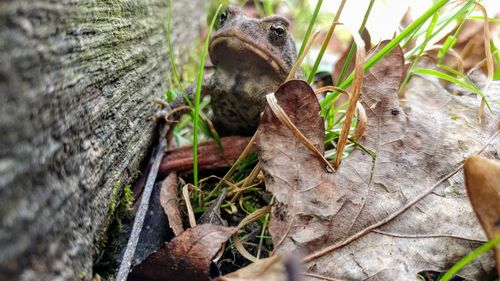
pixel 251 58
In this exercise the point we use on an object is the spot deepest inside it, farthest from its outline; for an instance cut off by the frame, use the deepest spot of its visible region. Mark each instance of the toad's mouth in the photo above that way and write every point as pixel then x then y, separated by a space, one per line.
pixel 226 45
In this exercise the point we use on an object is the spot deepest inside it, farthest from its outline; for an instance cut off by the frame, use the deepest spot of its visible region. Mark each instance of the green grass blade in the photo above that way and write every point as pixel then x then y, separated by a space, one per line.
pixel 310 27
pixel 454 80
pixel 466 9
pixel 481 18
pixel 496 56
pixel 469 258
pixel 428 35
pixel 198 97
pixel 448 78
pixel 450 41
pixel 453 39
pixel 325 43
pixel 391 45
pixel 458 74
pixel 432 25
pixel 348 59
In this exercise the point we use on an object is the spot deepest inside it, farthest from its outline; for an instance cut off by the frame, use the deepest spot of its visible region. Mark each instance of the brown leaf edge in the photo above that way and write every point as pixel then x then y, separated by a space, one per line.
pixel 170 204
pixel 186 257
pixel 482 178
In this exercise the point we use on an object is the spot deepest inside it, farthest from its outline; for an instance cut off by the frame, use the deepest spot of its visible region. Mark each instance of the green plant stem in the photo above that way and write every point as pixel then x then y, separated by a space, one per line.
pixel 310 27
pixel 446 47
pixel 263 231
pixel 469 258
pixel 428 34
pixel 198 97
pixel 481 18
pixel 442 25
pixel 325 43
pixel 353 46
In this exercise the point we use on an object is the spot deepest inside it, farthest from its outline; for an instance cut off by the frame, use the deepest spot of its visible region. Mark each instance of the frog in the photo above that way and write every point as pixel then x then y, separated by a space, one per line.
pixel 251 58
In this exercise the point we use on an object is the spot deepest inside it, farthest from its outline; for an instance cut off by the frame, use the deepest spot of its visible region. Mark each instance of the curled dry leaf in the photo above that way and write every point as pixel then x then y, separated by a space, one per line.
pixel 170 203
pixel 294 174
pixel 482 178
pixel 186 257
pixel 386 217
pixel 276 268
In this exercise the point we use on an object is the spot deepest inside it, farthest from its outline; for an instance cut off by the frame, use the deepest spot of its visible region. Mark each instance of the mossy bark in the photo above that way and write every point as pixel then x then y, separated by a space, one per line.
pixel 76 83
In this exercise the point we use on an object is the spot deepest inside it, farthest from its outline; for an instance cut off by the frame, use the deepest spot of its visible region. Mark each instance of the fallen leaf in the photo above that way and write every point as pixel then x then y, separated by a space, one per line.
pixel 170 203
pixel 186 257
pixel 276 268
pixel 293 173
pixel 482 178
pixel 209 156
pixel 387 217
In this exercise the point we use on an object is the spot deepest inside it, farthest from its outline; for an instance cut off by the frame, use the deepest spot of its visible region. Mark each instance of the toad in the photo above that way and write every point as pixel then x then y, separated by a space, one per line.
pixel 251 58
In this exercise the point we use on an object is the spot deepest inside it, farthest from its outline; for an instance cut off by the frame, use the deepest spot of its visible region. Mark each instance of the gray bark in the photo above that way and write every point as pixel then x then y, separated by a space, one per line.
pixel 76 83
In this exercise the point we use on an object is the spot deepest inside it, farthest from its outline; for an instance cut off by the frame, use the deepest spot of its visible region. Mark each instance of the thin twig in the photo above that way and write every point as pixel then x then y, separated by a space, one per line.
pixel 243 155
pixel 141 214
pixel 363 232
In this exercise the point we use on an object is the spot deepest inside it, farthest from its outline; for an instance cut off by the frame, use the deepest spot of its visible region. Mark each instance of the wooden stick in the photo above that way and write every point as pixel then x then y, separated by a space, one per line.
pixel 141 214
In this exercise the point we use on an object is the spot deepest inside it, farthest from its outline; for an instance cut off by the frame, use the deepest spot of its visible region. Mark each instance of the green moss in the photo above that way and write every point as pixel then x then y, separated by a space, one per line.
pixel 112 236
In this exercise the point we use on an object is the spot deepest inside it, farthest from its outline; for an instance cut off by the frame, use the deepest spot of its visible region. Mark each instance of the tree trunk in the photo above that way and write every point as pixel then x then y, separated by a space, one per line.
pixel 76 82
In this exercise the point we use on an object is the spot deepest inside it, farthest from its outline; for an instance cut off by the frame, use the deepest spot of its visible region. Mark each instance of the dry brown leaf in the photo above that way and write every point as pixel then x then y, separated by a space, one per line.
pixel 276 268
pixel 295 176
pixel 482 178
pixel 386 218
pixel 186 257
pixel 170 203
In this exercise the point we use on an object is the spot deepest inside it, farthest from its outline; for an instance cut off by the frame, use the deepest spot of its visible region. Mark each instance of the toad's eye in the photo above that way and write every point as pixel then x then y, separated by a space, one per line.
pixel 222 18
pixel 278 29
